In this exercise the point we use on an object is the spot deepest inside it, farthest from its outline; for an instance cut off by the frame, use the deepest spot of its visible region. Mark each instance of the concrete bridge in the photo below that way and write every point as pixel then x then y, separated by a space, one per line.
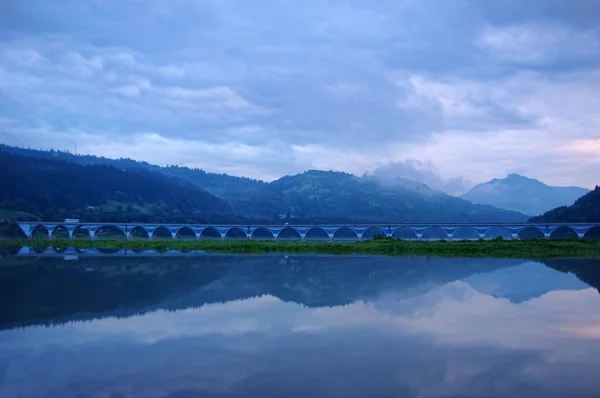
pixel 319 232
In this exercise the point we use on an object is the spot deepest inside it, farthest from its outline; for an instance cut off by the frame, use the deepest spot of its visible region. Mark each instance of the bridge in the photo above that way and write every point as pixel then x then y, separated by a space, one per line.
pixel 318 232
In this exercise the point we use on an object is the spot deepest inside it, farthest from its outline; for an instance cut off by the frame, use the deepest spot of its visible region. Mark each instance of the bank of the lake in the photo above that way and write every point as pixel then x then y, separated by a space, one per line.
pixel 489 248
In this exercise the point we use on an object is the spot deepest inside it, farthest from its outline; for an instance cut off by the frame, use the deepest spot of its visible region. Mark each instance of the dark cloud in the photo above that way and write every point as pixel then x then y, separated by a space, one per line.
pixel 343 78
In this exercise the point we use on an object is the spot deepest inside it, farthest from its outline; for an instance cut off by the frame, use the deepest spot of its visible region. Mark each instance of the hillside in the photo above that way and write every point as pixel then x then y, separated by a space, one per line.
pixel 522 194
pixel 585 209
pixel 56 189
pixel 326 196
pixel 222 185
pixel 43 183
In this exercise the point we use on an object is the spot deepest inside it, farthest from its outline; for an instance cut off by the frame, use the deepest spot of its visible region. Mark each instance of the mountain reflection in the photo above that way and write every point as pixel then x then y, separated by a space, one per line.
pixel 50 290
pixel 297 326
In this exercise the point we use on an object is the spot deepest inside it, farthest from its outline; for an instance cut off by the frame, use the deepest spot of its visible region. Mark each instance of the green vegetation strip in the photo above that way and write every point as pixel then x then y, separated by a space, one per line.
pixel 489 248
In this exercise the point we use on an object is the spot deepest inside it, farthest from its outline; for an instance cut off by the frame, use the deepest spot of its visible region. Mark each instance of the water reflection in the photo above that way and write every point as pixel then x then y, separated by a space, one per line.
pixel 229 326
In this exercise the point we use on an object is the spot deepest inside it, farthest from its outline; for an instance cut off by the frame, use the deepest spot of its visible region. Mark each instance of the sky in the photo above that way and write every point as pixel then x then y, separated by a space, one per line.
pixel 466 90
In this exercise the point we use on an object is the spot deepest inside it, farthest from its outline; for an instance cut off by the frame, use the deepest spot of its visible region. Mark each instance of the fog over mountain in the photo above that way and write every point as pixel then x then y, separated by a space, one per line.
pixel 425 173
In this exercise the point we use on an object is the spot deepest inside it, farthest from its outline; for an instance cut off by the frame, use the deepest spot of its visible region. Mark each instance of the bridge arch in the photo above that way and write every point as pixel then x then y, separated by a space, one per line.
pixel 345 234
pixel 316 233
pixel 404 233
pixel 111 232
pixel 434 233
pixel 531 232
pixel 592 233
pixel 162 232
pixel 498 233
pixel 139 232
pixel 185 233
pixel 373 232
pixel 262 233
pixel 210 233
pixel 289 233
pixel 564 233
pixel 465 233
pixel 60 232
pixel 40 232
pixel 82 232
pixel 236 233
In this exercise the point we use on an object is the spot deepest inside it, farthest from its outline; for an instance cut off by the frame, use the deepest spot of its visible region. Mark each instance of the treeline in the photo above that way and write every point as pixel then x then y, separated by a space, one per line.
pixel 55 189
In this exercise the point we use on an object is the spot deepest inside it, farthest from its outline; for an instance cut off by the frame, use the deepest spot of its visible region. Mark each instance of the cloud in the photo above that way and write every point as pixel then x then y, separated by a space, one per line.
pixel 540 44
pixel 342 85
pixel 25 57
pixel 425 173
pixel 216 96
pixel 129 90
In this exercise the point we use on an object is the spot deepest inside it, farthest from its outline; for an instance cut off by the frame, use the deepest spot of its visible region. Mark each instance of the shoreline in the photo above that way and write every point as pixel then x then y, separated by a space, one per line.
pixel 390 247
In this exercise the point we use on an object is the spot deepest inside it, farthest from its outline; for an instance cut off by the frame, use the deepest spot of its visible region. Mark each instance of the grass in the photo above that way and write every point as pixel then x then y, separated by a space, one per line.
pixel 388 246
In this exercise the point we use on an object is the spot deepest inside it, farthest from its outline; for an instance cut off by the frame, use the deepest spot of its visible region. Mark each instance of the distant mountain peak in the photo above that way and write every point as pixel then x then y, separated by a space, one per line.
pixel 515 176
pixel 523 194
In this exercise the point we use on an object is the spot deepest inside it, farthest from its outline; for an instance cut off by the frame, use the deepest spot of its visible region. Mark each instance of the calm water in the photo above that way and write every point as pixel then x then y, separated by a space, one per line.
pixel 297 326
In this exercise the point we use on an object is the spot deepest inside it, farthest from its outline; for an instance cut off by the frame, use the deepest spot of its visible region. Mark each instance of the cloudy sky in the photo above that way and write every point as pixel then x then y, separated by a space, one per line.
pixel 264 88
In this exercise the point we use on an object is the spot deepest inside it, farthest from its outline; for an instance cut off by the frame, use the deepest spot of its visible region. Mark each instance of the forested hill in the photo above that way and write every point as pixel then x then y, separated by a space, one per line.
pixel 56 189
pixel 57 185
pixel 222 185
pixel 585 209
pixel 326 196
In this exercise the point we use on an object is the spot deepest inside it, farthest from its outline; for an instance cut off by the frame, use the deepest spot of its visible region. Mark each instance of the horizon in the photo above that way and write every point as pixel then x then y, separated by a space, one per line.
pixel 298 173
pixel 474 91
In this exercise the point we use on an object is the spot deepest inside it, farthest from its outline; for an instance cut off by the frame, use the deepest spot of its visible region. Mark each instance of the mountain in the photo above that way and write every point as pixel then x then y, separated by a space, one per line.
pixel 56 189
pixel 585 209
pixel 222 185
pixel 522 194
pixel 327 196
pixel 56 185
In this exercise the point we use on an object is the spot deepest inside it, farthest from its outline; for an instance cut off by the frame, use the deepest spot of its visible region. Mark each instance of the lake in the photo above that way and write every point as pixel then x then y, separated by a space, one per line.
pixel 202 325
